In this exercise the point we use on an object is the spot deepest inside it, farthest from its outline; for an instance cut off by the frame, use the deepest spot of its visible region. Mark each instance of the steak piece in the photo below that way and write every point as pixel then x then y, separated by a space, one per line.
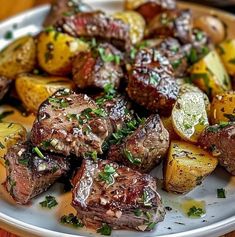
pixel 151 81
pixel 97 24
pixel 29 173
pixel 98 67
pixel 60 8
pixel 144 148
pixel 175 23
pixel 220 141
pixel 121 197
pixel 70 123
pixel 4 86
pixel 150 8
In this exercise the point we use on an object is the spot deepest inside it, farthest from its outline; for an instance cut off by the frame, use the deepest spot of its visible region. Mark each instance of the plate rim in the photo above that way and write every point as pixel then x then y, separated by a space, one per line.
pixel 218 228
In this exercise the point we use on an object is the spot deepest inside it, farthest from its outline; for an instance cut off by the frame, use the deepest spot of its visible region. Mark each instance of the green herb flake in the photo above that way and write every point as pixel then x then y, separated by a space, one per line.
pixel 5 114
pixel 151 225
pixel 196 212
pixel 107 174
pixel 221 193
pixel 24 161
pixel 108 57
pixel 105 229
pixel 138 212
pixel 145 199
pixel 130 157
pixel 38 152
pixel 232 61
pixel 72 220
pixel 8 35
pixel 49 202
pixel 2 146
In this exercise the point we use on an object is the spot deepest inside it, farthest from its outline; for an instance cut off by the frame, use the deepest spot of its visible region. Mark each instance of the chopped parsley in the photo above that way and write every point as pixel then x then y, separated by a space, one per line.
pixel 175 64
pixel 92 155
pixel 145 199
pixel 216 128
pixel 108 57
pixel 195 212
pixel 2 146
pixel 109 91
pixel 38 152
pixel 138 212
pixel 221 193
pixel 130 157
pixel 232 61
pixel 5 114
pixel 58 102
pixel 49 202
pixel 151 225
pixel 192 57
pixel 24 161
pixel 71 220
pixel 107 174
pixel 8 35
pixel 105 229
pixel 133 52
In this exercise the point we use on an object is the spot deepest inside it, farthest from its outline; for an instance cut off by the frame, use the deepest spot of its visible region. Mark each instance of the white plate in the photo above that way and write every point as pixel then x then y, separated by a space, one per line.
pixel 32 220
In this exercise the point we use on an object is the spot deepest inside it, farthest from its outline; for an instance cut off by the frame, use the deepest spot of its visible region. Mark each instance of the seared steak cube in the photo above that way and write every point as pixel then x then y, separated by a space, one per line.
pixel 70 123
pixel 176 23
pixel 97 24
pixel 220 141
pixel 31 172
pixel 151 81
pixel 98 67
pixel 105 192
pixel 144 148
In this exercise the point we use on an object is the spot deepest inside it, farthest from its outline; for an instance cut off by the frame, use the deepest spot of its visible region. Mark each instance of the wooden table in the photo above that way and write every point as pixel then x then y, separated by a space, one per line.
pixel 8 9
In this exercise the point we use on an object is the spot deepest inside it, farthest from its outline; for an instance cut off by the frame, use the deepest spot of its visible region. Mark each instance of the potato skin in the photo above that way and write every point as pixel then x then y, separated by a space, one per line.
pixel 210 75
pixel 18 57
pixel 189 115
pixel 223 108
pixel 33 90
pixel 186 166
pixel 10 134
pixel 213 26
pixel 55 52
pixel 220 141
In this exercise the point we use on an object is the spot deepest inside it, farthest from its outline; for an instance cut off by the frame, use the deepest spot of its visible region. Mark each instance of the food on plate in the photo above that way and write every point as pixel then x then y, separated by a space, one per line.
pixel 18 57
pixel 35 89
pixel 151 81
pixel 68 123
pixel 223 108
pixel 213 26
pixel 99 67
pixel 105 192
pixel 97 24
pixel 189 115
pixel 10 134
pixel 136 23
pixel 175 23
pixel 186 166
pixel 55 51
pixel 219 140
pixel 31 172
pixel 119 93
pixel 150 8
pixel 5 84
pixel 144 148
pixel 210 75
pixel 60 8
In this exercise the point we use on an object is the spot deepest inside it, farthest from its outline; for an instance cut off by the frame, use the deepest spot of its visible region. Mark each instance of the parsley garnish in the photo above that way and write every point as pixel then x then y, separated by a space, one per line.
pixel 49 202
pixel 71 220
pixel 110 92
pixel 195 212
pixel 145 199
pixel 92 155
pixel 60 103
pixel 130 157
pixel 24 161
pixel 38 152
pixel 5 114
pixel 232 61
pixel 151 225
pixel 2 146
pixel 105 229
pixel 8 35
pixel 138 212
pixel 221 193
pixel 108 57
pixel 107 174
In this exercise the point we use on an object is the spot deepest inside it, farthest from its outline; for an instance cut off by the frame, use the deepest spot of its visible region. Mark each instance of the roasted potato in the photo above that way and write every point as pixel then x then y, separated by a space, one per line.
pixel 55 51
pixel 167 122
pixel 226 51
pixel 213 26
pixel 18 57
pixel 136 23
pixel 10 134
pixel 33 90
pixel 189 115
pixel 223 108
pixel 186 166
pixel 210 75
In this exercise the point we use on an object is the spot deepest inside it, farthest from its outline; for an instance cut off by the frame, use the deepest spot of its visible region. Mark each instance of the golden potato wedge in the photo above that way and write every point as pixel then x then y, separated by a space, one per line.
pixel 186 166
pixel 55 51
pixel 189 116
pixel 136 23
pixel 33 89
pixel 133 4
pixel 223 108
pixel 18 57
pixel 10 134
pixel 226 51
pixel 210 75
